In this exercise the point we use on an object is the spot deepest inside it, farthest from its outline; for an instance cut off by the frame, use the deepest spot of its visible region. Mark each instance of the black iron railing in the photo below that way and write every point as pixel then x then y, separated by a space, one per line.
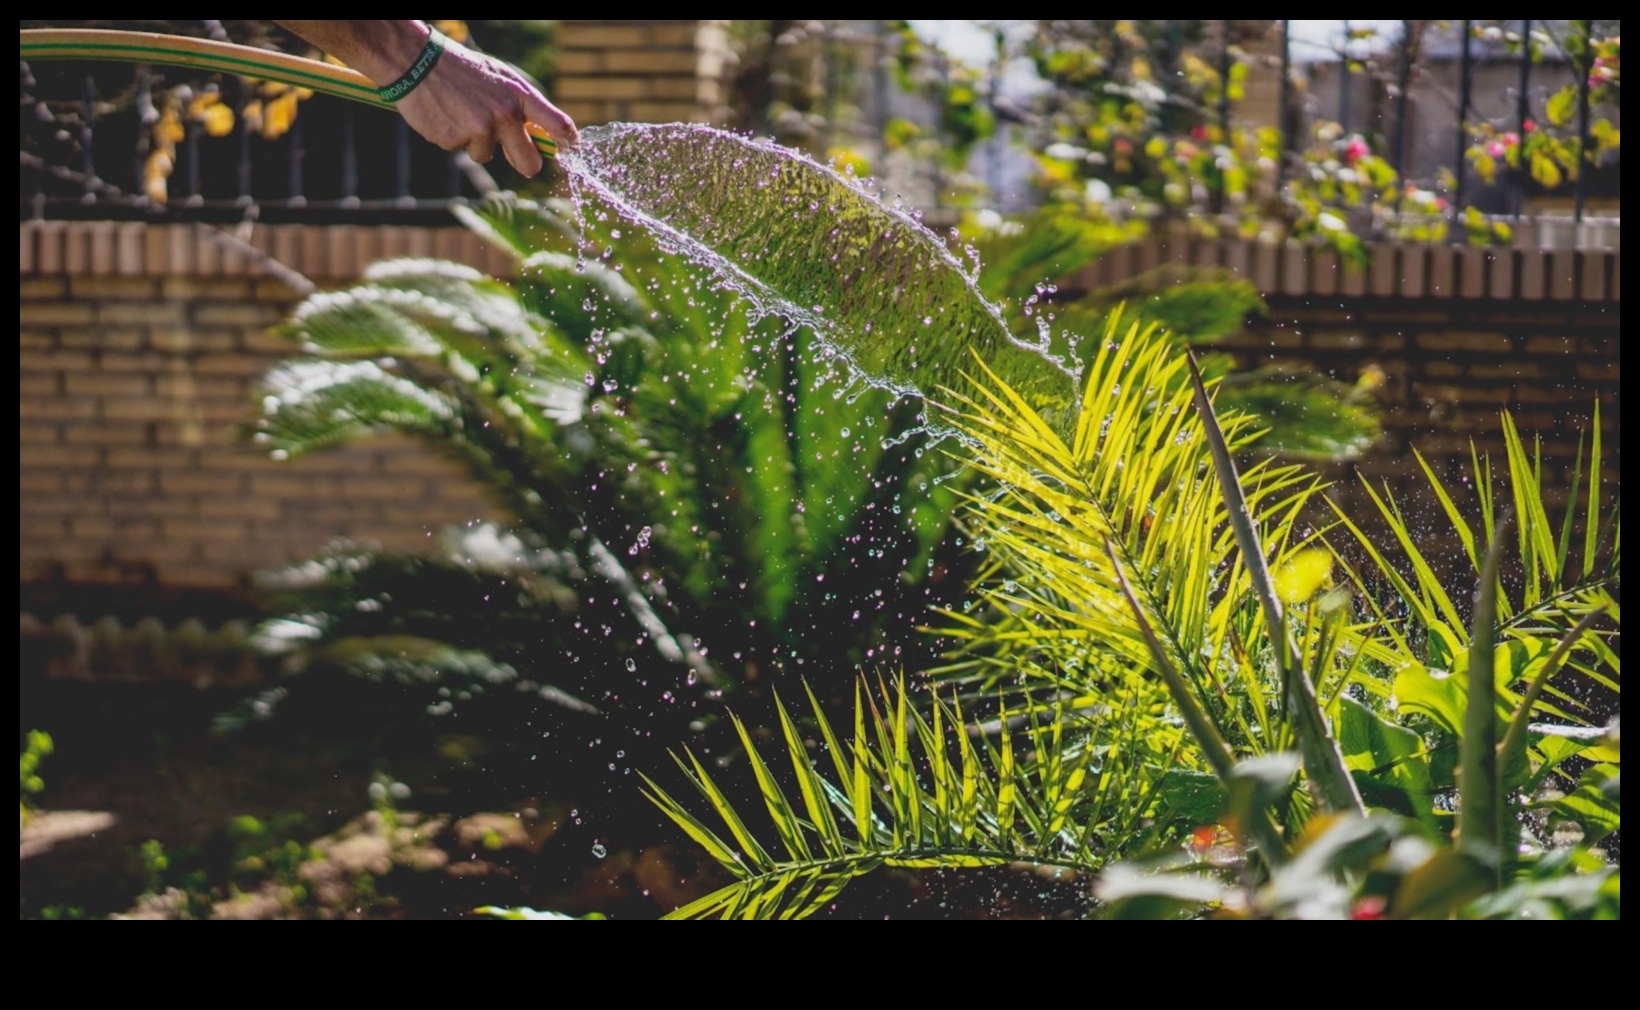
pixel 91 156
pixel 1515 77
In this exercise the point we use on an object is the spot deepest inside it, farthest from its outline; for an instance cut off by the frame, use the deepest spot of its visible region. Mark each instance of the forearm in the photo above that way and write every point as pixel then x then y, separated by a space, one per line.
pixel 381 50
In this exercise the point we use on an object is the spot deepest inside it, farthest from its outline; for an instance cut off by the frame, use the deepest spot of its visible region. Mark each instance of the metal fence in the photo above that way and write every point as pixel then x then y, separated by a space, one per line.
pixel 86 135
pixel 1421 91
pixel 1427 92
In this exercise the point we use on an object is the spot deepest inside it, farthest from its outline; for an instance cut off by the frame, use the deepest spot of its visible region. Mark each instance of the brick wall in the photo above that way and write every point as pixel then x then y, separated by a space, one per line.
pixel 1459 334
pixel 137 374
pixel 642 71
pixel 1450 370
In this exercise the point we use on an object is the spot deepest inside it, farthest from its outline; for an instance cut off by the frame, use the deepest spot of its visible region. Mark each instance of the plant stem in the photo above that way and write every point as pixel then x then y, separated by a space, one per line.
pixel 1480 811
pixel 1323 760
pixel 1258 823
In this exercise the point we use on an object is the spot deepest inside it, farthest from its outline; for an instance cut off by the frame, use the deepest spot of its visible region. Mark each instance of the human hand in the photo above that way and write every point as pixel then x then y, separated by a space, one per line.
pixel 468 101
pixel 473 102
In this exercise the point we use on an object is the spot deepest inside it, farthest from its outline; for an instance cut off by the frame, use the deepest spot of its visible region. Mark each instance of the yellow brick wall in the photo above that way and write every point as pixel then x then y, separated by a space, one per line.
pixel 642 71
pixel 135 392
pixel 1459 335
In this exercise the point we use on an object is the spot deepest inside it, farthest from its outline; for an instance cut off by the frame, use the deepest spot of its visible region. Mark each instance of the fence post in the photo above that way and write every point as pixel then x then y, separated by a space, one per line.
pixel 401 160
pixel 89 111
pixel 243 179
pixel 1584 162
pixel 1284 113
pixel 1466 82
pixel 293 137
pixel 1404 84
pixel 350 158
pixel 1523 112
pixel 1345 74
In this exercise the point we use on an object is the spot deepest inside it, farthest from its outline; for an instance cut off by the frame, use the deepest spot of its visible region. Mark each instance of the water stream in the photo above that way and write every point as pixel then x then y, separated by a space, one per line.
pixel 882 293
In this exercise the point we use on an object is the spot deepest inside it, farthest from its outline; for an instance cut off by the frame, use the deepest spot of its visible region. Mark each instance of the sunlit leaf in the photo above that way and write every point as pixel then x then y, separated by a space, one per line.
pixel 1301 576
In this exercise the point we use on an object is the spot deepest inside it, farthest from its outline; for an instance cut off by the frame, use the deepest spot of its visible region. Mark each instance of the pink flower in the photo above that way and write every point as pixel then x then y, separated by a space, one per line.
pixel 1355 150
pixel 1495 149
pixel 1511 139
pixel 1528 126
pixel 1371 907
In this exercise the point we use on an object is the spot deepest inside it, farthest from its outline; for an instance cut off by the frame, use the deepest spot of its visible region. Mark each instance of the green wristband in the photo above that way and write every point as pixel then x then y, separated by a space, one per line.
pixel 418 70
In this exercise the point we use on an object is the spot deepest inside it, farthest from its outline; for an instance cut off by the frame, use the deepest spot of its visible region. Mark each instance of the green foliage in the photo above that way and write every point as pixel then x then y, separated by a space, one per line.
pixel 959 93
pixel 689 488
pixel 1139 123
pixel 1293 410
pixel 1551 151
pixel 912 790
pixel 37 746
pixel 1149 613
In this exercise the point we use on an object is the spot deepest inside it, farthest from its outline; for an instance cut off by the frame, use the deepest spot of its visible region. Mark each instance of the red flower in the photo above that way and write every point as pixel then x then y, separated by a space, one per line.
pixel 1528 126
pixel 1372 906
pixel 1355 150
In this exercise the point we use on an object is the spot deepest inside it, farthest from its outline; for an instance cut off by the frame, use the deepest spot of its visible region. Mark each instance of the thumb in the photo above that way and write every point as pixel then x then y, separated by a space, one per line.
pixel 549 117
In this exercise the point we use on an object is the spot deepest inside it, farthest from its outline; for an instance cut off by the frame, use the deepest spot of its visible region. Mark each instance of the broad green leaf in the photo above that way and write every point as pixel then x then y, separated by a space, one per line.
pixel 1562 106
pixel 1545 172
pixel 1301 414
pixel 1441 886
pixel 1193 798
pixel 1590 806
pixel 1391 760
pixel 1438 694
pixel 1332 846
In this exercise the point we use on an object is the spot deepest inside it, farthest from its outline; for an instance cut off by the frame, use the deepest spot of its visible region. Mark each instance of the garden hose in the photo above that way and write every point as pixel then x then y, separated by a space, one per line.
pixel 221 57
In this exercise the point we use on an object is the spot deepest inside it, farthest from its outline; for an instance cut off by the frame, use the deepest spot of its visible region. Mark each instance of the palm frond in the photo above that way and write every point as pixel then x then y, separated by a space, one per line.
pixel 1554 611
pixel 312 405
pixel 915 787
pixel 1136 474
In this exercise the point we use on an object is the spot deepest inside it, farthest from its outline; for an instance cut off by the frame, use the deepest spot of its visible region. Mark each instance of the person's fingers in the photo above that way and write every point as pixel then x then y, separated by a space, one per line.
pixel 481 146
pixel 550 118
pixel 520 150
